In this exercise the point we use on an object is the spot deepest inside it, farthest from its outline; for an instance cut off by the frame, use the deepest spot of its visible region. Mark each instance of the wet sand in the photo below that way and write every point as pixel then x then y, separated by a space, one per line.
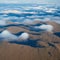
pixel 41 46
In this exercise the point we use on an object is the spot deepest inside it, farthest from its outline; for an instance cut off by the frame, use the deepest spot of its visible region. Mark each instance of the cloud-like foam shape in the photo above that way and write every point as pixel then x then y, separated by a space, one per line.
pixel 16 12
pixel 23 36
pixel 48 28
pixel 7 35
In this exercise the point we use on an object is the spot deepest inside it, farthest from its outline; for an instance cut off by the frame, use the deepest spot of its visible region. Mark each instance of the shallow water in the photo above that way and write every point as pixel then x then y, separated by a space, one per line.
pixel 25 16
pixel 32 43
pixel 57 34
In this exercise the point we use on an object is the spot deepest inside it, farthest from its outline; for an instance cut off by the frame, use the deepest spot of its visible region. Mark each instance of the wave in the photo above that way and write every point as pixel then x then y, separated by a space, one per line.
pixel 10 11
pixel 21 13
pixel 33 11
pixel 8 36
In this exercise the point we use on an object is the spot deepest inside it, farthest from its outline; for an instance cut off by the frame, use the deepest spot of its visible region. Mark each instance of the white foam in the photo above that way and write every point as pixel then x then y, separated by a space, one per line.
pixel 36 7
pixel 8 36
pixel 48 28
pixel 16 12
pixel 11 11
pixel 23 36
pixel 29 12
pixel 50 10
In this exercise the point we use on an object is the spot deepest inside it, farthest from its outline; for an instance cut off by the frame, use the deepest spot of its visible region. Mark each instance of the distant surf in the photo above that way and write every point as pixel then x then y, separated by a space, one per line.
pixel 22 13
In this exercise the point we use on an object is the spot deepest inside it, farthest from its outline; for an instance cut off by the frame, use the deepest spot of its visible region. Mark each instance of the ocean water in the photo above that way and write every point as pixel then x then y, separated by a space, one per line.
pixel 25 13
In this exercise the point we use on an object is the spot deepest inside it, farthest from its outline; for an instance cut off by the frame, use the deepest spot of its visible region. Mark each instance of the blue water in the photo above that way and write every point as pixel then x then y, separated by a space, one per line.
pixel 57 34
pixel 22 25
pixel 32 43
pixel 42 11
